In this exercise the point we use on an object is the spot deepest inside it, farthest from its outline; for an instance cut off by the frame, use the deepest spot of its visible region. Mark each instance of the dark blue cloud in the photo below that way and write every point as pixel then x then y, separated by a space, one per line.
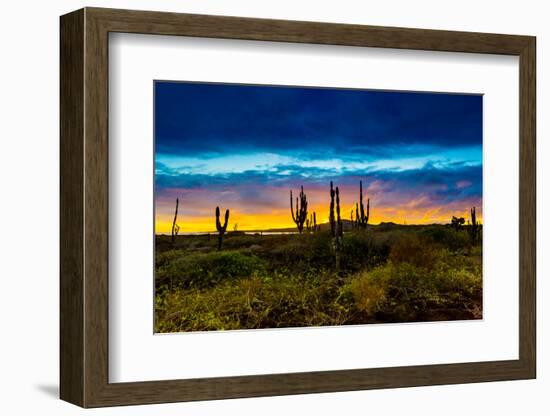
pixel 447 183
pixel 444 183
pixel 196 119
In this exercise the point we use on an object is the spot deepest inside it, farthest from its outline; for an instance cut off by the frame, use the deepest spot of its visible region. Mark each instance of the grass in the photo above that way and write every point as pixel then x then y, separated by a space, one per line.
pixel 387 274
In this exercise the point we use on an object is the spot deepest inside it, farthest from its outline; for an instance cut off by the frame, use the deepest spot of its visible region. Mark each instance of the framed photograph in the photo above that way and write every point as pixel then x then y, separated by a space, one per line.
pixel 257 207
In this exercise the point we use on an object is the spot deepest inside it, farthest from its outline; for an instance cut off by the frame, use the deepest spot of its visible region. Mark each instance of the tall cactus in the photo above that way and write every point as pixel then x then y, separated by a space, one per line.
pixel 474 227
pixel 311 223
pixel 221 229
pixel 339 228
pixel 175 226
pixel 331 217
pixel 301 210
pixel 360 217
pixel 336 224
pixel 335 220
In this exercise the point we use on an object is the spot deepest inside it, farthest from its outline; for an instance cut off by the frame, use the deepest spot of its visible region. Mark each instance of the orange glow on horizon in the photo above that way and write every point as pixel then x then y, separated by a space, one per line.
pixel 276 219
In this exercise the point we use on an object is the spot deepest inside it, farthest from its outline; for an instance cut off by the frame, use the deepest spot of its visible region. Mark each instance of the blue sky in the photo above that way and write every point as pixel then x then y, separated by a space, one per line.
pixel 239 145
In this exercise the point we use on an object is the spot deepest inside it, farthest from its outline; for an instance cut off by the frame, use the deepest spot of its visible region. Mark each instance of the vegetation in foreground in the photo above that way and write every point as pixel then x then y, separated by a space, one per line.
pixel 385 273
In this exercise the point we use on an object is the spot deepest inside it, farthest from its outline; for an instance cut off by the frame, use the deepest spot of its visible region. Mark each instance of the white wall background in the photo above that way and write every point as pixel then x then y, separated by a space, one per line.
pixel 29 210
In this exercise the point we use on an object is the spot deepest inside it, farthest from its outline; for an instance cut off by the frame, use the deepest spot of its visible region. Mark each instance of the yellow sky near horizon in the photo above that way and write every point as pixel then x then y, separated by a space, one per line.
pixel 283 219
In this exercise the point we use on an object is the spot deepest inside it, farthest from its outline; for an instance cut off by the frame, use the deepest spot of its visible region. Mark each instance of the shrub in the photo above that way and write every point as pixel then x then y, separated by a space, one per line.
pixel 204 270
pixel 411 249
pixel 368 294
pixel 363 249
pixel 448 237
pixel 165 257
pixel 404 292
pixel 301 254
pixel 239 240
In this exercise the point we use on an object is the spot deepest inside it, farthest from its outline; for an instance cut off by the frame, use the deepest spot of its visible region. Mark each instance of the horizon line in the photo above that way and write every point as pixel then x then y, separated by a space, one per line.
pixel 288 229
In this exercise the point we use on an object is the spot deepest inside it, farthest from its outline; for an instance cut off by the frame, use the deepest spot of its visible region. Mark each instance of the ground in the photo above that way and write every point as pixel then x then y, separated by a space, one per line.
pixel 387 273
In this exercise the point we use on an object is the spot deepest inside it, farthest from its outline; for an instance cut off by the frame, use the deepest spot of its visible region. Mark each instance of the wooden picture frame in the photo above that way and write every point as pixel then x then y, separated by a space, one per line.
pixel 84 207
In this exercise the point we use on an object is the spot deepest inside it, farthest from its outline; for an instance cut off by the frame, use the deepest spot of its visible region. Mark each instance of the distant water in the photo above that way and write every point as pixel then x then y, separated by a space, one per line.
pixel 215 234
pixel 242 232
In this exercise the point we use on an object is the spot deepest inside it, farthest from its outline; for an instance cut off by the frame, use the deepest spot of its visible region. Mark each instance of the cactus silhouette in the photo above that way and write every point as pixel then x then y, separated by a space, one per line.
pixel 336 224
pixel 311 223
pixel 360 217
pixel 221 229
pixel 175 226
pixel 301 210
pixel 331 216
pixel 474 226
pixel 339 228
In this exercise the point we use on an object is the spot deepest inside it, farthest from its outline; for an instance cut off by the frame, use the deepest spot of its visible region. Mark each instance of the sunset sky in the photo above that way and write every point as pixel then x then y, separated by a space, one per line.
pixel 244 147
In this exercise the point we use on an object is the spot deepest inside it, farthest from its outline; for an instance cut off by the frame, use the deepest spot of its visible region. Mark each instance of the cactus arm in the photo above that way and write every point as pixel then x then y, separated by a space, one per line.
pixel 218 224
pixel 226 220
pixel 175 227
pixel 221 229
pixel 292 207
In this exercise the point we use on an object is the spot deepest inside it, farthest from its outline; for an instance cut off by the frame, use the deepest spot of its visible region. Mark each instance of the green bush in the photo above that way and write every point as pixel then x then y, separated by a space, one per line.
pixel 236 241
pixel 415 251
pixel 204 270
pixel 300 254
pixel 166 257
pixel 448 237
pixel 363 249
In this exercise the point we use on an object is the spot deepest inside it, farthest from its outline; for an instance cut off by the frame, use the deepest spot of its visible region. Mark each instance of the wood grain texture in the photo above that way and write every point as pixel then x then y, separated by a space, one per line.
pixel 96 219
pixel 71 100
pixel 162 23
pixel 84 207
pixel 527 208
